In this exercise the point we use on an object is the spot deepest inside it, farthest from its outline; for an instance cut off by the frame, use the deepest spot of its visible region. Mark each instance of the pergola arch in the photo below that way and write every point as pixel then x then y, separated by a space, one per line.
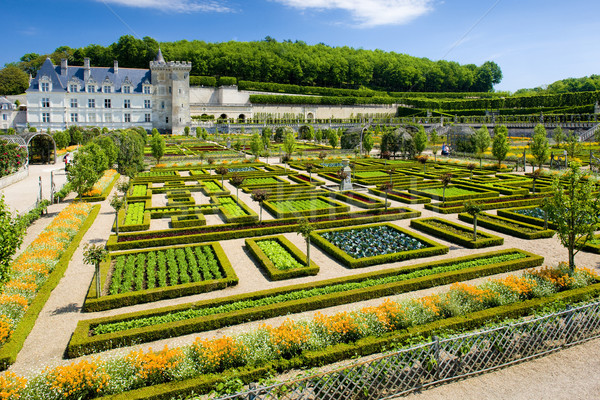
pixel 25 139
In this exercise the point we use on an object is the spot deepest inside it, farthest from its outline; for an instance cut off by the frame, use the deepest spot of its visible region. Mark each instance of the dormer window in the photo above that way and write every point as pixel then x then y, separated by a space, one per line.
pixel 91 88
pixel 45 86
pixel 106 88
pixel 147 89
pixel 126 89
pixel 73 88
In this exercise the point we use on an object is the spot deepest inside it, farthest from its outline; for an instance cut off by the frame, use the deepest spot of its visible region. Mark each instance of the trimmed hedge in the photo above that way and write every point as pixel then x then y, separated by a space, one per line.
pixel 350 197
pixel 250 217
pixel 402 197
pixel 510 213
pixel 434 248
pixel 465 240
pixel 93 304
pixel 485 204
pixel 499 224
pixel 188 220
pixel 203 81
pixel 269 268
pixel 301 178
pixel 592 247
pixel 10 350
pixel 489 193
pixel 206 191
pixel 237 231
pixel 144 226
pixel 335 208
pixel 82 343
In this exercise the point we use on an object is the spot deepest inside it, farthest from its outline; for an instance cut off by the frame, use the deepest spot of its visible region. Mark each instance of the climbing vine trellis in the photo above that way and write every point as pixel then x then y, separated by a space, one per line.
pixel 442 360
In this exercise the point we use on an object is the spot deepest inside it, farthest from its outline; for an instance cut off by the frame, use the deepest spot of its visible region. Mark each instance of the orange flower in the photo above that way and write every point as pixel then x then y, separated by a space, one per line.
pixel 389 313
pixel 218 354
pixel 11 386
pixel 342 326
pixel 155 366
pixel 289 337
pixel 78 380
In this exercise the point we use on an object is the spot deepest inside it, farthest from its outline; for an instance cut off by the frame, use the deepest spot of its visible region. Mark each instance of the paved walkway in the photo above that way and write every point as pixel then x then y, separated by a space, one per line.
pixel 22 196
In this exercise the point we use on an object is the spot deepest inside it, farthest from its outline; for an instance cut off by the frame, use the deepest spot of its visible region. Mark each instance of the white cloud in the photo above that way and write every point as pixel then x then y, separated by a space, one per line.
pixel 369 13
pixel 178 6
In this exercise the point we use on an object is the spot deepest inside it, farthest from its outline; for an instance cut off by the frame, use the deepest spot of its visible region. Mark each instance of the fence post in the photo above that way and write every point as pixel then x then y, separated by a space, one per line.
pixel 436 353
pixel 568 324
pixel 251 386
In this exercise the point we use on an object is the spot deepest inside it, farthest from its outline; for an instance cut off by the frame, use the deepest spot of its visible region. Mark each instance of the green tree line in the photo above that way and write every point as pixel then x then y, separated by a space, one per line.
pixel 289 62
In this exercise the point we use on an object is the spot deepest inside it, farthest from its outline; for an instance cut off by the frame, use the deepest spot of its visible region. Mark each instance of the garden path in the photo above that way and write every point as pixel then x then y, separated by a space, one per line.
pixel 47 342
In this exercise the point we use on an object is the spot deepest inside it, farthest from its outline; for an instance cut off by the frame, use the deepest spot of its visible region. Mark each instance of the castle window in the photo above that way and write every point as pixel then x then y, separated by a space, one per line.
pixel 147 118
pixel 45 86
pixel 74 117
pixel 170 90
pixel 126 89
pixel 5 117
pixel 107 103
pixel 127 117
pixel 73 103
pixel 91 89
pixel 107 118
pixel 91 103
pixel 126 103
pixel 147 104
pixel 92 118
pixel 167 120
pixel 147 90
pixel 106 89
pixel 46 117
pixel 45 102
pixel 162 104
pixel 73 88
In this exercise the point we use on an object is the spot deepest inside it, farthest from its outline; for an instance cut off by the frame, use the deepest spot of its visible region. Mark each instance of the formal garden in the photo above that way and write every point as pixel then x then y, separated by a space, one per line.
pixel 216 269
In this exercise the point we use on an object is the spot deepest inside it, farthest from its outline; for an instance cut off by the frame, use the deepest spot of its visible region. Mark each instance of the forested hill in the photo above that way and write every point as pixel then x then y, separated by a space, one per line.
pixel 585 84
pixel 292 63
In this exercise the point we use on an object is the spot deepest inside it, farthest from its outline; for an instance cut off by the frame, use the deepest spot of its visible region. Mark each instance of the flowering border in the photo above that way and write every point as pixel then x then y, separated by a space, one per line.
pixel 10 350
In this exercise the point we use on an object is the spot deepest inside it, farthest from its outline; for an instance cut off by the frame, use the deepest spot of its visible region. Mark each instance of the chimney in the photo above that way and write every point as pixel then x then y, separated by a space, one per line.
pixel 116 67
pixel 86 68
pixel 63 66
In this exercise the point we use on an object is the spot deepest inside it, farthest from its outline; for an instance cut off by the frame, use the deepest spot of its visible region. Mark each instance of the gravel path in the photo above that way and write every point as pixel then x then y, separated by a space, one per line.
pixel 47 342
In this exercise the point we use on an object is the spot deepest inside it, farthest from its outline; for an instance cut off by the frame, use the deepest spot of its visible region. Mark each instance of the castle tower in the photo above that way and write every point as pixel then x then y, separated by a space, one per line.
pixel 171 105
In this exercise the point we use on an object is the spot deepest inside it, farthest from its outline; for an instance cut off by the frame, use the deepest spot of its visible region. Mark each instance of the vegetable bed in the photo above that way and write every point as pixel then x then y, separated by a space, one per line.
pixel 455 233
pixel 505 225
pixel 279 258
pixel 357 247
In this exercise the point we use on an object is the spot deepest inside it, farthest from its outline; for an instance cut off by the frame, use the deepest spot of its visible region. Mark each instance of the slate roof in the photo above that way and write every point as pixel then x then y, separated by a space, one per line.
pixel 60 81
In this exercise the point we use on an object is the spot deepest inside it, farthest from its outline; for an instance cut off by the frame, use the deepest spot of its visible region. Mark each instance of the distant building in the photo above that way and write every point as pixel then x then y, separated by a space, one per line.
pixel 10 115
pixel 115 98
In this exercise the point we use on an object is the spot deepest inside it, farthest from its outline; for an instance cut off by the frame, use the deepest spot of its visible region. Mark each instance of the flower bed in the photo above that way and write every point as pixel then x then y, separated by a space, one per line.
pixel 279 258
pixel 135 277
pixel 297 207
pixel 455 233
pixel 375 244
pixel 36 272
pixel 326 339
pixel 505 225
pixel 102 187
pixel 166 322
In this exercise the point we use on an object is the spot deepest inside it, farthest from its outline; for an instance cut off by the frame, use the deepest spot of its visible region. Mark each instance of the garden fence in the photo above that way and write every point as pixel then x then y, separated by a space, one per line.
pixel 440 360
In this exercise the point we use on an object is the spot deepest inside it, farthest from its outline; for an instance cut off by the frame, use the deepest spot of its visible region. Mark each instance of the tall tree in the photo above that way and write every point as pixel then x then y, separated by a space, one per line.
pixel 575 210
pixel 500 144
pixel 482 142
pixel 539 147
pixel 558 135
pixel 420 140
pixel 13 81
pixel 158 146
pixel 289 144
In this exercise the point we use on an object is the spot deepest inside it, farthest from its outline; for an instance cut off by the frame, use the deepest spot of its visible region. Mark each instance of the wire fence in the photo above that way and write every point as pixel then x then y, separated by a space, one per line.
pixel 440 361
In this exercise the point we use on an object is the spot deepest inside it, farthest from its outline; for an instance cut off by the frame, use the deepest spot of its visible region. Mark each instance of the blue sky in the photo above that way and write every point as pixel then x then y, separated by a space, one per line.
pixel 534 42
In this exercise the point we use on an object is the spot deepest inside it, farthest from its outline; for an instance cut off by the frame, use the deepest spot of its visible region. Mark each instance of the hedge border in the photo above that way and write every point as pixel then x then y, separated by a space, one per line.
pixel 336 208
pixel 205 191
pixel 93 304
pixel 443 208
pixel 488 241
pixel 179 221
pixel 434 248
pixel 511 214
pixel 257 229
pixel 81 343
pixel 269 268
pixel 395 196
pixel 250 217
pixel 499 227
pixel 357 202
pixel 144 226
pixel 10 350
pixel 479 193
